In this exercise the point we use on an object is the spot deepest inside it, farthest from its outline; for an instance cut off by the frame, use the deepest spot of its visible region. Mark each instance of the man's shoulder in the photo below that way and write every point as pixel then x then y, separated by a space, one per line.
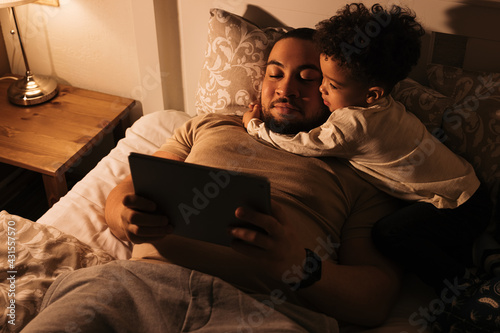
pixel 212 116
pixel 217 119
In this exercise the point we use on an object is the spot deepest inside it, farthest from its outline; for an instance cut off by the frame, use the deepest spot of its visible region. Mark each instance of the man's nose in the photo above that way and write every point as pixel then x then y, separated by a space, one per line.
pixel 287 88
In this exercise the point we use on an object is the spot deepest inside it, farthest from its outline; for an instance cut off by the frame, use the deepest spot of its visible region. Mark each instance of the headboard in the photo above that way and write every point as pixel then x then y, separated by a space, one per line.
pixel 461 33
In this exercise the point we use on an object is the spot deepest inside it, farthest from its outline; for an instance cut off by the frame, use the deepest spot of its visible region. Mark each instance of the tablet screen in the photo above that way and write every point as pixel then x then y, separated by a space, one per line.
pixel 199 201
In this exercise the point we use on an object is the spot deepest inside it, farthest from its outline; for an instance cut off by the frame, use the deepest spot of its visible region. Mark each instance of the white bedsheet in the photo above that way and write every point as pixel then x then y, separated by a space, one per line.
pixel 81 211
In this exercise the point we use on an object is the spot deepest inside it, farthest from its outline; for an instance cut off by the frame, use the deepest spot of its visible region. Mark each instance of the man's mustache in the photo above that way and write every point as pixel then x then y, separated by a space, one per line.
pixel 283 100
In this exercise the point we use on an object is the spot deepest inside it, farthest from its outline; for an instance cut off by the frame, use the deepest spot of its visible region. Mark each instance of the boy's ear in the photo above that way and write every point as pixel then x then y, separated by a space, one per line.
pixel 374 94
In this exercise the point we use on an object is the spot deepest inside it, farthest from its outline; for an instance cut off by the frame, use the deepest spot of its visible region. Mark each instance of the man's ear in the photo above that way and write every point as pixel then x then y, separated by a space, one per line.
pixel 374 94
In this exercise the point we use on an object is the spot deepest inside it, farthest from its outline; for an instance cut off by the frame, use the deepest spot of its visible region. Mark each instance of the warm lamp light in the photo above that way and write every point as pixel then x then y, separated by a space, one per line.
pixel 30 89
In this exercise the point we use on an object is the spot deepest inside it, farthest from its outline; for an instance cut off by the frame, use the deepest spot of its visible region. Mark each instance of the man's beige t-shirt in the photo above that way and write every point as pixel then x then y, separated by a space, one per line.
pixel 325 200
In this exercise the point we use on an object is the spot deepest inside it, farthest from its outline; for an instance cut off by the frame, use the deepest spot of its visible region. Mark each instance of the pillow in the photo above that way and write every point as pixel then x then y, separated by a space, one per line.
pixel 235 60
pixel 472 124
pixel 427 104
pixel 32 256
pixel 459 83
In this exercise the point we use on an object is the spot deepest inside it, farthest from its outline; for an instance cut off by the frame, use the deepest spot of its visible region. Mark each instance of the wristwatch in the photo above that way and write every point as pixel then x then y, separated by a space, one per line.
pixel 312 271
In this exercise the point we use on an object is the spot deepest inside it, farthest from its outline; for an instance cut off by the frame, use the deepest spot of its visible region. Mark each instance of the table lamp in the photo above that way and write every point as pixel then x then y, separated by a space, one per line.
pixel 30 89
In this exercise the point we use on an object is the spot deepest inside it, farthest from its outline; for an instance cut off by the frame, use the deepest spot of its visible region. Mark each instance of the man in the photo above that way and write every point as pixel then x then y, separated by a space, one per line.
pixel 315 254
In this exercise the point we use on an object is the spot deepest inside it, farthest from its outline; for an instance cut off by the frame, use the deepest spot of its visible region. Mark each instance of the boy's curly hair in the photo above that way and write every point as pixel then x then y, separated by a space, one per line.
pixel 377 46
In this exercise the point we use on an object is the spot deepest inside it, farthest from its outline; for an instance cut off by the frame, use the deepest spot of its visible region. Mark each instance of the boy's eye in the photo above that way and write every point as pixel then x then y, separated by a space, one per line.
pixel 332 86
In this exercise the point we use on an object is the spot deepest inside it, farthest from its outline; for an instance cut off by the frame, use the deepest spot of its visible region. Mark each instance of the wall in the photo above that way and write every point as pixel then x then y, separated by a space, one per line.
pixel 167 30
pixel 104 45
pixel 4 63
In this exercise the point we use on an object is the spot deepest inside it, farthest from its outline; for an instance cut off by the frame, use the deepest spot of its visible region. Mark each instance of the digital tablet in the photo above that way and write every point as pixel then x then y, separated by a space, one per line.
pixel 199 201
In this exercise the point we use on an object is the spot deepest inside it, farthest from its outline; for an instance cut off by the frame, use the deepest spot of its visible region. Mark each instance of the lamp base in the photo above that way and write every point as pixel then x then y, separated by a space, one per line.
pixel 32 90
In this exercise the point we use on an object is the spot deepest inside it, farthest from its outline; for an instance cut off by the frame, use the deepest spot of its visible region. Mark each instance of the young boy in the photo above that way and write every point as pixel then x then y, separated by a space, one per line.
pixel 364 53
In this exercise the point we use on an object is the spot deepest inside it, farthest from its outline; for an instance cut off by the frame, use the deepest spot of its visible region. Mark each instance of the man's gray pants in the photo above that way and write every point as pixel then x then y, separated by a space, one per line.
pixel 133 296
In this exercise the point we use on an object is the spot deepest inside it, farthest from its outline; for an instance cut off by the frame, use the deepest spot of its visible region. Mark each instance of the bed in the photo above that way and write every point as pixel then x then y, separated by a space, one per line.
pixel 453 90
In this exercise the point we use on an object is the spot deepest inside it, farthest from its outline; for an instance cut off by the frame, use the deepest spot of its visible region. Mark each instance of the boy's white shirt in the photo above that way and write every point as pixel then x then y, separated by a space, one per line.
pixel 392 149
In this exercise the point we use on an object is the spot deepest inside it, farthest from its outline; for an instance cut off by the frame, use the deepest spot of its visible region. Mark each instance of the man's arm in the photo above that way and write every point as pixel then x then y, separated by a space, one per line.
pixel 360 289
pixel 134 218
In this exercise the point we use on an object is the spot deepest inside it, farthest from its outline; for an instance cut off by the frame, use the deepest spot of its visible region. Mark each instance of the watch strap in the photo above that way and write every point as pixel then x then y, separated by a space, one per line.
pixel 311 269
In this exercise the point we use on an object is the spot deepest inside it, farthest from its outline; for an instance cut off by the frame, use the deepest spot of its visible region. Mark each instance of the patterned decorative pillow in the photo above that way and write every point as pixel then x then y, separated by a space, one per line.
pixel 234 66
pixel 472 124
pixel 427 104
pixel 32 256
pixel 461 84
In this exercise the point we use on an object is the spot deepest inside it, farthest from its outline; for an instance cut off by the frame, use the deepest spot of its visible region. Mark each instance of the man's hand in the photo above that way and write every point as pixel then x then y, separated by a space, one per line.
pixel 134 218
pixel 253 112
pixel 140 222
pixel 278 249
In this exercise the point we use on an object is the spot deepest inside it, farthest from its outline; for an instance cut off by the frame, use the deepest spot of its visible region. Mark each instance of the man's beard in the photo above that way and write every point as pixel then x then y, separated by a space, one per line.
pixel 289 126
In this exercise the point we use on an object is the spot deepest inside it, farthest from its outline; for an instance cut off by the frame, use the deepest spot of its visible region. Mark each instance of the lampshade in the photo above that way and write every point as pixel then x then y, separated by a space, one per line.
pixel 13 3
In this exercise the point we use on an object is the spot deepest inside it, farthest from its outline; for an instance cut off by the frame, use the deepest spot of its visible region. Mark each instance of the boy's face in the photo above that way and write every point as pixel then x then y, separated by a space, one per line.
pixel 338 89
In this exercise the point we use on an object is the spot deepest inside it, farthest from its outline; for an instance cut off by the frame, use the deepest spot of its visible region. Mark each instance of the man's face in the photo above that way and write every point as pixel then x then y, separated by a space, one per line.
pixel 291 101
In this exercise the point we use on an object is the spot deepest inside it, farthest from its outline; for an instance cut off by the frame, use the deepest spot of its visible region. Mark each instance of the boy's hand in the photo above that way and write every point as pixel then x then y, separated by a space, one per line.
pixel 253 112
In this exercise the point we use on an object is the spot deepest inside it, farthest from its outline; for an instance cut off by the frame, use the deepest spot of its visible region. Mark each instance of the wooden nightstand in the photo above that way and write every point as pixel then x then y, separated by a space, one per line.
pixel 50 138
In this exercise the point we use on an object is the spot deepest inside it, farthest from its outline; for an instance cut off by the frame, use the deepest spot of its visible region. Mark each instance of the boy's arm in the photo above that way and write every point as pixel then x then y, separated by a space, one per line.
pixel 325 140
